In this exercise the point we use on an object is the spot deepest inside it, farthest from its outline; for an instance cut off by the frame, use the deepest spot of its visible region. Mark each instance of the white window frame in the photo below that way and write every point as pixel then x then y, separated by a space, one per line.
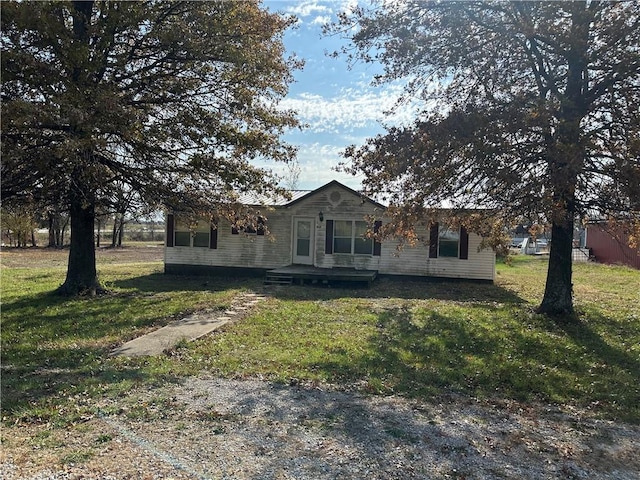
pixel 201 227
pixel 353 237
pixel 449 236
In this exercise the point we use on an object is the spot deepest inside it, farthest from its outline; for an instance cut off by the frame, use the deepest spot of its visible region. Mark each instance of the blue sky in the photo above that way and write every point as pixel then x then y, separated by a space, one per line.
pixel 339 105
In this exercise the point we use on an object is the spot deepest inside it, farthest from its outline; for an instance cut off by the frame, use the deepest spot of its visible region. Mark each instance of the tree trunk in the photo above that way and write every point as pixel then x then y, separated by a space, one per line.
pixel 114 232
pixel 82 277
pixel 558 293
pixel 566 163
pixel 52 232
pixel 121 230
pixel 60 231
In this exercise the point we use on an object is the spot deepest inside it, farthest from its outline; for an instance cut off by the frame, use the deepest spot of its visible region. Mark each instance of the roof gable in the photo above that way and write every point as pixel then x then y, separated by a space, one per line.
pixel 331 184
pixel 299 196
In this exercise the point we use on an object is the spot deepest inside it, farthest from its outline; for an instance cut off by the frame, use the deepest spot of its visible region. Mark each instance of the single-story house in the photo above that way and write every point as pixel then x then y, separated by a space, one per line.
pixel 609 243
pixel 324 228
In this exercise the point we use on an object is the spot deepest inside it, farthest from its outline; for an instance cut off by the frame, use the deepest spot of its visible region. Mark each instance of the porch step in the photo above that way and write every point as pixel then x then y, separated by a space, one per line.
pixel 278 279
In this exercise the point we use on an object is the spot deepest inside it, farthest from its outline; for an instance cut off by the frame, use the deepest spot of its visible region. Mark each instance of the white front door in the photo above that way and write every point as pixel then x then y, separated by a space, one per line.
pixel 303 245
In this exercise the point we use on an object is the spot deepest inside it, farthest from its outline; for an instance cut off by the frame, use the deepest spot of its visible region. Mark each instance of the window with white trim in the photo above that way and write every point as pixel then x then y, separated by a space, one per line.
pixel 448 242
pixel 197 235
pixel 349 236
pixel 182 233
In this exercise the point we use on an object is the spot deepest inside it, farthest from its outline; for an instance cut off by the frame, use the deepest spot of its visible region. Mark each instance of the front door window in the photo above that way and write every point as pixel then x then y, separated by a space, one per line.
pixel 302 243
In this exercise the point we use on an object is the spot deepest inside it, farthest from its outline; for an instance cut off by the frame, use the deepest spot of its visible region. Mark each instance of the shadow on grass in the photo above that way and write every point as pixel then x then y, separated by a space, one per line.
pixel 53 346
pixel 424 354
pixel 438 289
pixel 422 359
pixel 584 335
pixel 52 317
pixel 161 282
pixel 63 387
pixel 58 318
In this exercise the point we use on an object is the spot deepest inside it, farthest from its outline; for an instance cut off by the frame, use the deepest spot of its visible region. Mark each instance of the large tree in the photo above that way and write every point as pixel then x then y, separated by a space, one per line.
pixel 171 99
pixel 530 108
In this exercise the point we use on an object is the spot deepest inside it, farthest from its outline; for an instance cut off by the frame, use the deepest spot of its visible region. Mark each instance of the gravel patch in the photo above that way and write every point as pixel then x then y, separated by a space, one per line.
pixel 252 429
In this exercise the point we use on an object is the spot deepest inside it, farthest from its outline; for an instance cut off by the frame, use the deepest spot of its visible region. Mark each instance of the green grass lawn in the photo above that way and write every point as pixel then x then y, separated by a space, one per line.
pixel 414 338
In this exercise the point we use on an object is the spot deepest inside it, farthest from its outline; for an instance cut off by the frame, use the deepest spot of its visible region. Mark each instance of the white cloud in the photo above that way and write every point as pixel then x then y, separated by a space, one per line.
pixel 307 8
pixel 352 108
pixel 321 20
pixel 347 6
pixel 318 164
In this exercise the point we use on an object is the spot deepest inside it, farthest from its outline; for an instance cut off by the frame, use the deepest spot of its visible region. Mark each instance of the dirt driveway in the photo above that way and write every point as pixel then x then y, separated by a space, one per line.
pixel 251 429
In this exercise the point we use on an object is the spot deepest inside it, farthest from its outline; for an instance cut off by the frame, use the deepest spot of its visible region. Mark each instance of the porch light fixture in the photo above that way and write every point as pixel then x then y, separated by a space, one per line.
pixel 321 216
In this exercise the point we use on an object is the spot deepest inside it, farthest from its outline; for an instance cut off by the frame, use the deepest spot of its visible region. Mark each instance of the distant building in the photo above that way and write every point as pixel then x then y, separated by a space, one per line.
pixel 609 243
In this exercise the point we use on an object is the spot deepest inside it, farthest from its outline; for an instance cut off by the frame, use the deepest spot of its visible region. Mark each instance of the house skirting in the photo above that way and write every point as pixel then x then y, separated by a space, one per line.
pixel 207 270
pixel 434 278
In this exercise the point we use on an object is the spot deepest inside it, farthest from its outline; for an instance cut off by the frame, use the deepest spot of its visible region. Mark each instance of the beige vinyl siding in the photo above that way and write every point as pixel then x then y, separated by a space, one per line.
pixel 337 204
pixel 240 250
pixel 415 261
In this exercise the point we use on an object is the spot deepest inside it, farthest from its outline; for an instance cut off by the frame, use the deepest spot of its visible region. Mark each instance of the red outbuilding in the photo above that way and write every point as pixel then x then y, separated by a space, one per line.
pixel 609 243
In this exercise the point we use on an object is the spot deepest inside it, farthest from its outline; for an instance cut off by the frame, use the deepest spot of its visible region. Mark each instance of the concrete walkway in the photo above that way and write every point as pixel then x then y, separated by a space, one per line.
pixel 188 328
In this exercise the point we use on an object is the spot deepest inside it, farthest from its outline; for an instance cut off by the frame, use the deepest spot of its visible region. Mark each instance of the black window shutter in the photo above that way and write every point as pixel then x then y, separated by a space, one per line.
pixel 213 238
pixel 377 246
pixel 170 220
pixel 433 240
pixel 328 243
pixel 260 230
pixel 464 244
